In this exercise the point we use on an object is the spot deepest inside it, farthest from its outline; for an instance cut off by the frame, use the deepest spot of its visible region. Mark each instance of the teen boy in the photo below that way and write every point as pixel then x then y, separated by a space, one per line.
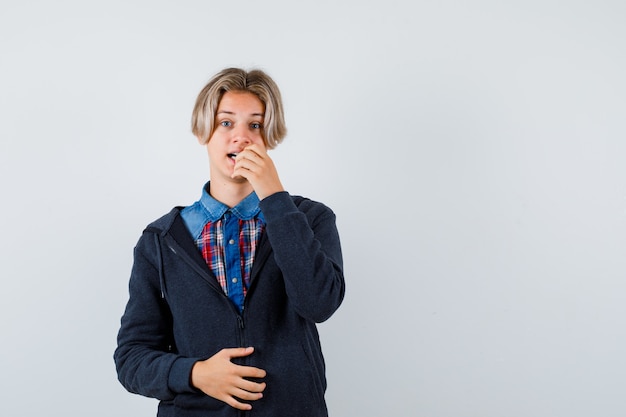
pixel 225 294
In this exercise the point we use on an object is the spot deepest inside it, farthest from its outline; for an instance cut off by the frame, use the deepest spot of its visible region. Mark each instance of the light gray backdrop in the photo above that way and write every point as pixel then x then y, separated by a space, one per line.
pixel 473 152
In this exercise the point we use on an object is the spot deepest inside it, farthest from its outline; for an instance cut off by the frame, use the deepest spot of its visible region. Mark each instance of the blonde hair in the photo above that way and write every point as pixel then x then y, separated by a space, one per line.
pixel 254 81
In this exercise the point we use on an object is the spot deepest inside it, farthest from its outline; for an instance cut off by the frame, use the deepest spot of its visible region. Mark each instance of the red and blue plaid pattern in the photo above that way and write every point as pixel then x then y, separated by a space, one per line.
pixel 211 245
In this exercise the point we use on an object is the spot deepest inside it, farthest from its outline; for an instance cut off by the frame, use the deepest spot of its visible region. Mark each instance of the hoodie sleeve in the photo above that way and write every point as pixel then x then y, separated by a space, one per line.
pixel 145 358
pixel 307 249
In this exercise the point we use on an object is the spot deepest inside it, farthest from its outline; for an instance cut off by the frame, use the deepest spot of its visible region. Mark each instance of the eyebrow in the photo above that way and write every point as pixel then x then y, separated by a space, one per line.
pixel 232 112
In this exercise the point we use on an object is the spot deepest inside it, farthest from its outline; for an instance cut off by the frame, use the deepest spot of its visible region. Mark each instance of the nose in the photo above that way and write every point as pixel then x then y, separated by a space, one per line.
pixel 241 135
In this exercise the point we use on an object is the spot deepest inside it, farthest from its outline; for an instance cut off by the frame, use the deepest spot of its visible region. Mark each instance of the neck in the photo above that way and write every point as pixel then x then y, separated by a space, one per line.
pixel 230 193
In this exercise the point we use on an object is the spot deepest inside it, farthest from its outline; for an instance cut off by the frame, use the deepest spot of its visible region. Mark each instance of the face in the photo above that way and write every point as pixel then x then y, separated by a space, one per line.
pixel 238 123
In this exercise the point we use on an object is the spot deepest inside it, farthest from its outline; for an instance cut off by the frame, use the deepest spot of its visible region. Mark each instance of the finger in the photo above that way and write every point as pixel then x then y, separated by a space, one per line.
pixel 248 159
pixel 232 401
pixel 255 153
pixel 246 395
pixel 246 168
pixel 252 387
pixel 257 149
pixel 237 395
pixel 243 156
pixel 244 164
pixel 250 372
pixel 238 352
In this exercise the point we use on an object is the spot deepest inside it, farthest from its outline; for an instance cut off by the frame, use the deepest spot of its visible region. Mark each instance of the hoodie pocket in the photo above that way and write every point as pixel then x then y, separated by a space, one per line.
pixel 293 378
pixel 316 373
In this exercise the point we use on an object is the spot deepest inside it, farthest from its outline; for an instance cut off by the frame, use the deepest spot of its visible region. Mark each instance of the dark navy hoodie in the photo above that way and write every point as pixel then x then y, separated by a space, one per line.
pixel 177 313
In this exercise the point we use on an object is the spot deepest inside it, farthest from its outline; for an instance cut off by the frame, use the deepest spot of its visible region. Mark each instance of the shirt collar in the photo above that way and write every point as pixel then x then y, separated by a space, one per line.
pixel 247 208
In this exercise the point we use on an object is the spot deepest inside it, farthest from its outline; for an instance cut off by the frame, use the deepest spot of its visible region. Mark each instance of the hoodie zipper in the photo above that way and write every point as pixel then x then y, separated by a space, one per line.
pixel 239 315
pixel 242 336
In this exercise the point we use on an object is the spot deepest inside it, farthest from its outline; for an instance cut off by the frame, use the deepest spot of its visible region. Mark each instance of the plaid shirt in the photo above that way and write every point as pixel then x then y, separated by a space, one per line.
pixel 227 239
pixel 228 247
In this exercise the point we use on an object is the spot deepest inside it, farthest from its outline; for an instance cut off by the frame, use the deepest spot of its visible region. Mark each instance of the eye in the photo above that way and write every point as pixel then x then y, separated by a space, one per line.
pixel 225 123
pixel 256 125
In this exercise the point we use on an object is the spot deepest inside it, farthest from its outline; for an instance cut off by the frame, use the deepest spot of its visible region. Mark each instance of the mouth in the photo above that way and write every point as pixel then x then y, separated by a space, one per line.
pixel 232 156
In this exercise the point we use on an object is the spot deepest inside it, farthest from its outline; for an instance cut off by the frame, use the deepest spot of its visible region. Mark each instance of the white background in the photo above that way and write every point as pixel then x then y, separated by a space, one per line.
pixel 473 152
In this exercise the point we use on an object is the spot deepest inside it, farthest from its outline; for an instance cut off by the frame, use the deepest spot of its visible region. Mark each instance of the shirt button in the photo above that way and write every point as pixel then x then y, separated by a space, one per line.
pixel 231 241
pixel 234 280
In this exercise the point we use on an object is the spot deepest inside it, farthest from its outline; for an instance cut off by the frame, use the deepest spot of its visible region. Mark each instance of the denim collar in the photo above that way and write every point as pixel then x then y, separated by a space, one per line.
pixel 247 208
pixel 208 209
